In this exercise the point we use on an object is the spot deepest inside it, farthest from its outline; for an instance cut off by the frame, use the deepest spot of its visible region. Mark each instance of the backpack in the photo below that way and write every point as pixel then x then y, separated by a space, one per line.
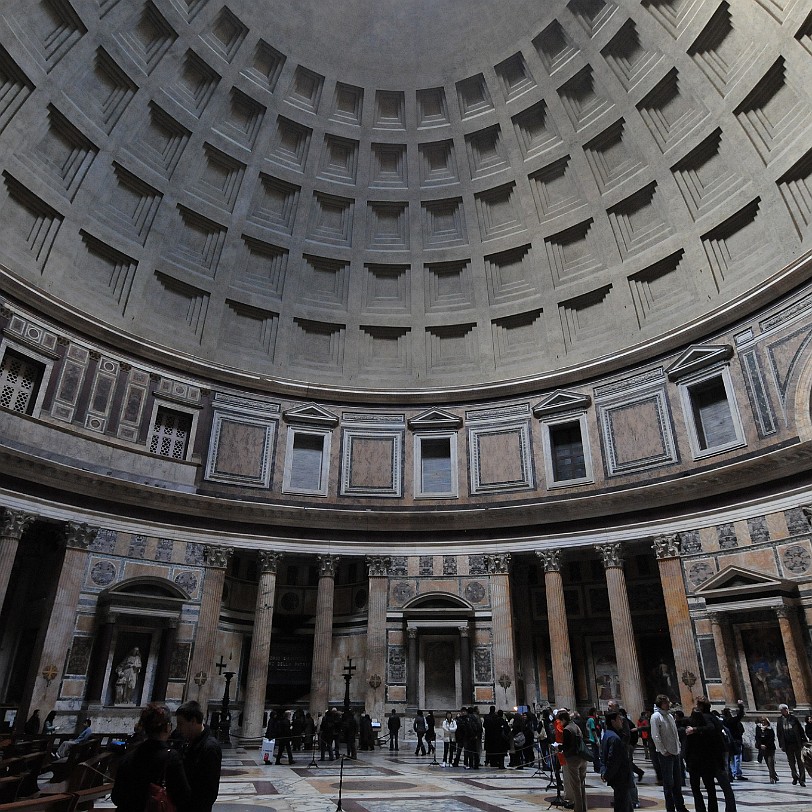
pixel 420 724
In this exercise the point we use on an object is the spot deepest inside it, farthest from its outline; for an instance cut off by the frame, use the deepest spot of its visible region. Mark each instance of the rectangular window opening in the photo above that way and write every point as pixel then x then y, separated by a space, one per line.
pixel 20 379
pixel 170 434
pixel 567 451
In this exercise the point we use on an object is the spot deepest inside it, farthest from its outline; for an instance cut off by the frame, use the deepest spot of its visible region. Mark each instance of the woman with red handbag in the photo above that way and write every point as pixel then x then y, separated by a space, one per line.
pixel 151 777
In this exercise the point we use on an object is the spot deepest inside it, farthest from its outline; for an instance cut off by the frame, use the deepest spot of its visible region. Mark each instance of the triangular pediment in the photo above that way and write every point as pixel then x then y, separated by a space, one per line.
pixel 311 414
pixel 435 419
pixel 737 583
pixel 699 357
pixel 561 401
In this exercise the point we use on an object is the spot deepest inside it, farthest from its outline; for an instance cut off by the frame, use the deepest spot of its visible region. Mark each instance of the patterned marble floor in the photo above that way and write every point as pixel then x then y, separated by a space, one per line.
pixel 379 782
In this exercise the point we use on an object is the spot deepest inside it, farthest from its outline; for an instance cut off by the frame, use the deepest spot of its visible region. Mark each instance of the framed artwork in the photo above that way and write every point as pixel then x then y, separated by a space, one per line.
pixel 657 664
pixel 765 664
pixel 603 672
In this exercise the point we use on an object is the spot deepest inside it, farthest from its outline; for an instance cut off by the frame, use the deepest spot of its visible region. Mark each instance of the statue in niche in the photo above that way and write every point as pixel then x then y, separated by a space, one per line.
pixel 127 672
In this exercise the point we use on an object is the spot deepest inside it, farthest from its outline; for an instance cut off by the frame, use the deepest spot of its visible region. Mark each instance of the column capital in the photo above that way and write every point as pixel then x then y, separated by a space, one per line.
pixel 611 554
pixel 268 561
pixel 666 546
pixel 14 523
pixel 717 618
pixel 550 559
pixel 464 631
pixel 498 564
pixel 217 556
pixel 327 565
pixel 378 565
pixel 783 611
pixel 80 536
pixel 412 632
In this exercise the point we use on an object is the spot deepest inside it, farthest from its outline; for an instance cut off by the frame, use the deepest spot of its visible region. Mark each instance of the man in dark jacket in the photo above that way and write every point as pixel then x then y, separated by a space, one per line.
pixel 393 723
pixel 494 743
pixel 202 757
pixel 706 757
pixel 736 730
pixel 615 765
pixel 791 738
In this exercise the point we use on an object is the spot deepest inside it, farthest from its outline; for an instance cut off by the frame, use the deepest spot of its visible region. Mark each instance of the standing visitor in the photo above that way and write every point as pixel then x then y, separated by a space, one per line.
pixel 393 724
pixel 736 730
pixel 616 770
pixel 574 767
pixel 419 727
pixel 791 738
pixel 449 739
pixel 665 736
pixel 431 734
pixel 202 757
pixel 765 744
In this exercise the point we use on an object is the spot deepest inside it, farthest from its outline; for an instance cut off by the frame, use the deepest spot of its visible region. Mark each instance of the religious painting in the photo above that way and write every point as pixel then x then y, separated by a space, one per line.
pixel 604 673
pixel 659 671
pixel 766 665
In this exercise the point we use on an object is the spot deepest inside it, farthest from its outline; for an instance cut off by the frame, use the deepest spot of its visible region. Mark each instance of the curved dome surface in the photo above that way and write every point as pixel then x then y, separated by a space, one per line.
pixel 404 197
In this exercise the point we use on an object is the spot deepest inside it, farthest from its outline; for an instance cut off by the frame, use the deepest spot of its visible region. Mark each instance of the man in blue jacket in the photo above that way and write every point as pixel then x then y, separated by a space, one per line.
pixel 615 767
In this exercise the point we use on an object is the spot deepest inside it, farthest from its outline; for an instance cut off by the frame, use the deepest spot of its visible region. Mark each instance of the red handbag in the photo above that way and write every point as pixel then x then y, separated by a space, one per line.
pixel 158 799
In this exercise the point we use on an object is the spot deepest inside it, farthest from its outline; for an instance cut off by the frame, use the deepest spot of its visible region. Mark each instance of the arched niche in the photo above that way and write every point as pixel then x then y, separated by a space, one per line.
pixel 135 650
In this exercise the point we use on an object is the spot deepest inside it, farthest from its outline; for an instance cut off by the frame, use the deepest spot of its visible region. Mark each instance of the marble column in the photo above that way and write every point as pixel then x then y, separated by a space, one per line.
pixel 667 550
pixel 378 566
pixel 560 652
pixel 721 637
pixel 216 559
pixel 504 656
pixel 524 632
pixel 254 706
pixel 797 662
pixel 61 624
pixel 628 664
pixel 99 657
pixel 466 675
pixel 169 636
pixel 12 527
pixel 323 636
pixel 412 666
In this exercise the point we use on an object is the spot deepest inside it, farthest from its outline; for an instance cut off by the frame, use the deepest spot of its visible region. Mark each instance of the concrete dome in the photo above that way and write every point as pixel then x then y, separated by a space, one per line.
pixel 472 199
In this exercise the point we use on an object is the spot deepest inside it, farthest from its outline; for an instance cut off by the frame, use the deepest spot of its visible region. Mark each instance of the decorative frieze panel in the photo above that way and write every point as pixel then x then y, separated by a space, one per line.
pixel 637 433
pixel 372 463
pixel 70 383
pixel 132 406
pixel 500 458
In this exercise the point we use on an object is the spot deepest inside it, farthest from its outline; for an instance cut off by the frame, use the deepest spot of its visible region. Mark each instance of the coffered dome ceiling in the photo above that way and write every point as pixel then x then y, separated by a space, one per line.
pixel 398 196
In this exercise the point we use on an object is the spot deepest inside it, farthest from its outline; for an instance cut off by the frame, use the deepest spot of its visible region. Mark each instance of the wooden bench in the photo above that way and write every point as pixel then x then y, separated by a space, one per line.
pixel 52 803
pixel 86 798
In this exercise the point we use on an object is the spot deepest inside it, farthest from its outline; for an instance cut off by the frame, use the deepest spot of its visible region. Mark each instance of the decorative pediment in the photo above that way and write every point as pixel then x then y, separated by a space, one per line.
pixel 311 414
pixel 435 419
pixel 561 401
pixel 735 583
pixel 698 357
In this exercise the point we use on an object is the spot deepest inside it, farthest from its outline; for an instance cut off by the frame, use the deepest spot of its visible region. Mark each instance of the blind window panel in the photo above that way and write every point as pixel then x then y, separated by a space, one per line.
pixel 712 416
pixel 435 461
pixel 306 464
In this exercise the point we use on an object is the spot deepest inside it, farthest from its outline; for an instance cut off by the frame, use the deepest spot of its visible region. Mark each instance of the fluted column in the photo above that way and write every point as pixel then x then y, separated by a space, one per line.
pixel 524 632
pixel 720 642
pixel 560 653
pixel 216 560
pixel 466 676
pixel 12 527
pixel 628 664
pixel 378 566
pixel 323 635
pixel 667 550
pixel 504 656
pixel 796 661
pixel 254 706
pixel 412 666
pixel 59 635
